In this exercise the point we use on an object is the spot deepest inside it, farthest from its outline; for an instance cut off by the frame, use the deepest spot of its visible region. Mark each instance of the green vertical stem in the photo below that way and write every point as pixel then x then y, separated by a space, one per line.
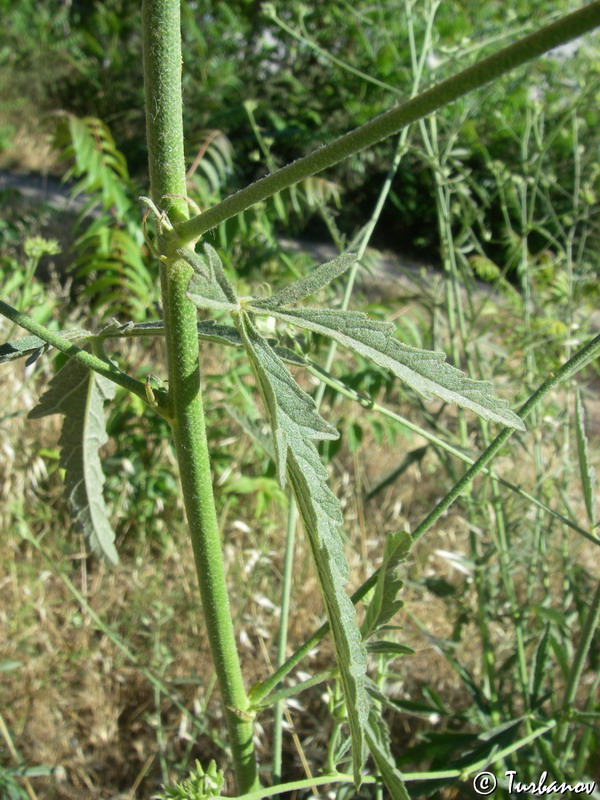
pixel 162 72
pixel 164 104
pixel 589 629
pixel 286 591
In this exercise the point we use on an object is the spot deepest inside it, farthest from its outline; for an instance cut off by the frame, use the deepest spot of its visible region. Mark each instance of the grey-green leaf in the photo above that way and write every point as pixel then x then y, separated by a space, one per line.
pixel 218 273
pixel 378 740
pixel 290 409
pixel 209 287
pixel 387 648
pixel 295 423
pixel 586 470
pixel 80 394
pixel 426 371
pixel 384 603
pixel 321 515
pixel 309 284
pixel 28 345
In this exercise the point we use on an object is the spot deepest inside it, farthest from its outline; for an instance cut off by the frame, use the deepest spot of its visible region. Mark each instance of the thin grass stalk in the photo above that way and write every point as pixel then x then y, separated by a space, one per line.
pixel 458 333
pixel 326 55
pixel 527 212
pixel 526 195
pixel 566 445
pixel 162 75
pixel 581 654
pixel 573 263
pixel 286 591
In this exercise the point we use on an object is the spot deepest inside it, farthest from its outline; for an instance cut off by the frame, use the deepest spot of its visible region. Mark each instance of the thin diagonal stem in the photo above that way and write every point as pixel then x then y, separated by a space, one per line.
pixel 61 343
pixel 483 72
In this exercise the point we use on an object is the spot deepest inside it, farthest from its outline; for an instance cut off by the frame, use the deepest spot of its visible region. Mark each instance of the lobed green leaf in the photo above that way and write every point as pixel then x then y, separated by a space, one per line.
pixel 33 346
pixel 309 284
pixel 292 412
pixel 209 286
pixel 381 647
pixel 79 394
pixel 384 603
pixel 295 423
pixel 378 740
pixel 425 371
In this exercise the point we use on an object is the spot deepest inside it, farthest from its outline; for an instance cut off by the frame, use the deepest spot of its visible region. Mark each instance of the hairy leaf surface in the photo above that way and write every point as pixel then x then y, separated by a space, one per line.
pixel 209 287
pixel 378 740
pixel 292 412
pixel 79 394
pixel 32 345
pixel 425 371
pixel 295 423
pixel 384 603
pixel 309 284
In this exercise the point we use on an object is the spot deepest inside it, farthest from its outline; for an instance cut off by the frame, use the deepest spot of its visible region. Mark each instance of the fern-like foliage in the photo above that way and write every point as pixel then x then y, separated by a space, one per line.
pixel 79 395
pixel 109 253
pixel 385 603
pixel 96 164
pixel 211 168
pixel 118 281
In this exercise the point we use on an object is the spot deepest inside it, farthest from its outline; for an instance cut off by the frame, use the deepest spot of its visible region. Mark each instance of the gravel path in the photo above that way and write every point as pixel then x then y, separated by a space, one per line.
pixel 42 189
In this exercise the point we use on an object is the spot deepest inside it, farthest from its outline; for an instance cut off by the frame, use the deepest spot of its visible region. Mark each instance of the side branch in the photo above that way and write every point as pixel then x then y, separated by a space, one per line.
pixel 104 368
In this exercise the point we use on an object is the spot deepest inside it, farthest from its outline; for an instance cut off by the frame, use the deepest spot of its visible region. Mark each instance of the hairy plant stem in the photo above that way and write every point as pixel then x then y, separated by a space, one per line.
pixel 483 72
pixel 162 74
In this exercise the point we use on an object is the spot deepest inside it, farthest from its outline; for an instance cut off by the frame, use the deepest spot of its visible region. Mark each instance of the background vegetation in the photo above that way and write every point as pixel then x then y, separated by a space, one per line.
pixel 104 692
